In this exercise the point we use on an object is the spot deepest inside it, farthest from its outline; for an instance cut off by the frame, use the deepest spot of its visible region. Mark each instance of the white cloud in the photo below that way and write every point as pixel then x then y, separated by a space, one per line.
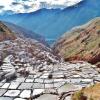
pixel 5 2
pixel 25 6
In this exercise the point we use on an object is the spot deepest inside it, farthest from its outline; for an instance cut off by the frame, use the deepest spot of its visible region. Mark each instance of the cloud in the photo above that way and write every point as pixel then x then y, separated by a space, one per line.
pixel 26 6
pixel 5 2
pixel 15 3
pixel 1 7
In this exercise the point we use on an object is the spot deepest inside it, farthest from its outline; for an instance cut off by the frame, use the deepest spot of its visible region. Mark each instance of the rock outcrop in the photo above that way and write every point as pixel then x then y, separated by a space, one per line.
pixel 81 43
pixel 8 69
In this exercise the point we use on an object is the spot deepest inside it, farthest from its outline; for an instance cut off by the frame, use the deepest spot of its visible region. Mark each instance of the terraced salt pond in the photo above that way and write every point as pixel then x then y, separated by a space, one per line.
pixel 56 82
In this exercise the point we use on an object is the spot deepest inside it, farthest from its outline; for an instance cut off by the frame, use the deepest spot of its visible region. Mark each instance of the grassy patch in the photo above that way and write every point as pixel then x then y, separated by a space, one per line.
pixel 91 93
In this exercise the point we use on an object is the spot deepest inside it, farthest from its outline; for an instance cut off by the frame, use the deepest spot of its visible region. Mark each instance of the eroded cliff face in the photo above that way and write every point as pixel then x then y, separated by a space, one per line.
pixel 81 43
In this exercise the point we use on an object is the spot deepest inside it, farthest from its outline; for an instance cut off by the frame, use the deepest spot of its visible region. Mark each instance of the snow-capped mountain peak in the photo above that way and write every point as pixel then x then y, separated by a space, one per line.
pixel 26 6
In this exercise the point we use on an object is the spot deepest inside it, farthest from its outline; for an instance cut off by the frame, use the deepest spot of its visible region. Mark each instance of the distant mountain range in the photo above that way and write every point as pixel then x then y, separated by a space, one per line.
pixel 52 23
pixel 25 32
pixel 10 31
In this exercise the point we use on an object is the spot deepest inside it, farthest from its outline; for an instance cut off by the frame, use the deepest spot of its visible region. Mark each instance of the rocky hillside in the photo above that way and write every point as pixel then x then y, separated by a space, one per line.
pixel 81 43
pixel 5 33
pixel 25 51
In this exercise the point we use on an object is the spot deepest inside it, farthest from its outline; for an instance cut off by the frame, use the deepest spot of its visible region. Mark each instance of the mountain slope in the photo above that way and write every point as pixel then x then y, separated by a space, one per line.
pixel 5 33
pixel 52 23
pixel 27 49
pixel 82 43
pixel 27 33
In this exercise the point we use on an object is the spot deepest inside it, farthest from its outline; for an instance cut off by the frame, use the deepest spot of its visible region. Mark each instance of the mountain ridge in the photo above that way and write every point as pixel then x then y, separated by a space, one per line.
pixel 24 32
pixel 48 21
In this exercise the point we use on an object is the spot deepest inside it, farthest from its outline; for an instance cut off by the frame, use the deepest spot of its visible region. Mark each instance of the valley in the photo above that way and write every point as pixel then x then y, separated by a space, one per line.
pixel 53 23
pixel 31 70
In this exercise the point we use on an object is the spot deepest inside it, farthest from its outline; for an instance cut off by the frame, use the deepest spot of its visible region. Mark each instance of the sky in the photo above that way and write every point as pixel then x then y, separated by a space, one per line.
pixel 26 6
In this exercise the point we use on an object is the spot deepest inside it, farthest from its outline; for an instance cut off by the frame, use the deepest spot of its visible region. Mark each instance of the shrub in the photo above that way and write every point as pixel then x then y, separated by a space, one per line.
pixel 79 96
